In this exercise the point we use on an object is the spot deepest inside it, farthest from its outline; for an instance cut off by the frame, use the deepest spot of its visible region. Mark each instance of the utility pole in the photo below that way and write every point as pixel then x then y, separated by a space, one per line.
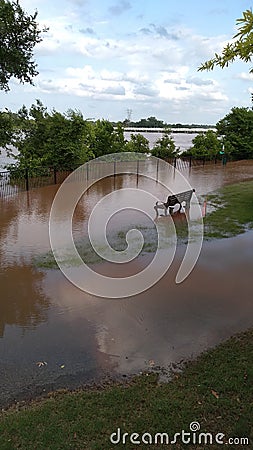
pixel 129 115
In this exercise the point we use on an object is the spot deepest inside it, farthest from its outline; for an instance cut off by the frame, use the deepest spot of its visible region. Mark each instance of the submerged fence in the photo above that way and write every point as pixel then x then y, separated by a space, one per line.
pixel 17 180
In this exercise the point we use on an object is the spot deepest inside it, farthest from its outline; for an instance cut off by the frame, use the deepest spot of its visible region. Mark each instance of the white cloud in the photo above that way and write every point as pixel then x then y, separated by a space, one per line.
pixel 144 63
pixel 245 76
pixel 84 73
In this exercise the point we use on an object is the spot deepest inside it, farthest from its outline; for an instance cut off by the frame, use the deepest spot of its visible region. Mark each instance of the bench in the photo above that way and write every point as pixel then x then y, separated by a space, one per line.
pixel 172 200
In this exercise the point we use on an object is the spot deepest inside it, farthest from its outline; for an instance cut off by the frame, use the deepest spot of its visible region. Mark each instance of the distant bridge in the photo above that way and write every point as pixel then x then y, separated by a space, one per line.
pixel 196 130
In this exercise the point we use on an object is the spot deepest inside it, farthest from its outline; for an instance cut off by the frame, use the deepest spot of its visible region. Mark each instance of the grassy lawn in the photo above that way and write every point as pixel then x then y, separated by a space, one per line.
pixel 216 390
pixel 232 210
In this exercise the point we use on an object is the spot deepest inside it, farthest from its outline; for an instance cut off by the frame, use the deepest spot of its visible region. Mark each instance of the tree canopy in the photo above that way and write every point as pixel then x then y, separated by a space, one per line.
pixel 150 122
pixel 165 147
pixel 104 138
pixel 6 127
pixel 236 128
pixel 205 145
pixel 241 47
pixel 234 136
pixel 46 138
pixel 19 33
pixel 138 143
pixel 50 139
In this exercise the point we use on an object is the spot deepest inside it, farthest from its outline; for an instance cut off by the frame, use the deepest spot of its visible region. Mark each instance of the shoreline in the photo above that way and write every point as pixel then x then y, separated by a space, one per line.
pixel 212 392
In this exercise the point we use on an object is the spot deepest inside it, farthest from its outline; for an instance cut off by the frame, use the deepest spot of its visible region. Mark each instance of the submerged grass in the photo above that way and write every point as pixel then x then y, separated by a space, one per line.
pixel 232 211
pixel 216 390
pixel 117 239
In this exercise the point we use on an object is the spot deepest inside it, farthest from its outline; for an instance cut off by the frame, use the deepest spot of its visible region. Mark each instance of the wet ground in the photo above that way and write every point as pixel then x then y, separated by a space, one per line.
pixel 81 338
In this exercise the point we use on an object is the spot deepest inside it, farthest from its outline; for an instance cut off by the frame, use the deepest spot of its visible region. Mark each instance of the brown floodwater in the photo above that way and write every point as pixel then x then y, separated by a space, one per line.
pixel 44 318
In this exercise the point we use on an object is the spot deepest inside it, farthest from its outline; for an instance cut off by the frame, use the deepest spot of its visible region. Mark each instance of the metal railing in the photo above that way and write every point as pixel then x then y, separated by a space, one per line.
pixel 17 180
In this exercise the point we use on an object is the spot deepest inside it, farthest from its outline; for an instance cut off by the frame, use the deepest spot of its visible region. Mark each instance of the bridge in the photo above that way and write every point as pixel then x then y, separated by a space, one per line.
pixel 196 130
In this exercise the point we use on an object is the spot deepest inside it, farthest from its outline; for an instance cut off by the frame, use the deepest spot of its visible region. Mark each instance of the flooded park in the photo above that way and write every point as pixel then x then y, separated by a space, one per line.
pixel 53 335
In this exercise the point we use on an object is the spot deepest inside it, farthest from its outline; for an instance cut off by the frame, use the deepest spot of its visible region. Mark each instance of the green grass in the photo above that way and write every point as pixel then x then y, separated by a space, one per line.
pixel 232 211
pixel 216 390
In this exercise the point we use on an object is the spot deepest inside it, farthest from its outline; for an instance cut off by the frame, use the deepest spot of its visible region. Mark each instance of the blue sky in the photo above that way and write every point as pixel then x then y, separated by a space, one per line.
pixel 104 57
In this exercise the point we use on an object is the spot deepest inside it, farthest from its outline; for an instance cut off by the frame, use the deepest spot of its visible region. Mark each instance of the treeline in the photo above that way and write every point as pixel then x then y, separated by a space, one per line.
pixel 233 138
pixel 153 122
pixel 65 140
pixel 51 139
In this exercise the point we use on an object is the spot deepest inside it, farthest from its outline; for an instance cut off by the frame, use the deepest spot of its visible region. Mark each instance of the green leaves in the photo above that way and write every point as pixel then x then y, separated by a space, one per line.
pixel 51 139
pixel 205 145
pixel 6 127
pixel 19 33
pixel 138 143
pixel 237 131
pixel 241 48
pixel 65 141
pixel 104 139
pixel 165 147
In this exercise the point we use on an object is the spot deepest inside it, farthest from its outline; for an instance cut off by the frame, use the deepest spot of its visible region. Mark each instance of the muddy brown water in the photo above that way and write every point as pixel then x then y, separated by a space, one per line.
pixel 82 338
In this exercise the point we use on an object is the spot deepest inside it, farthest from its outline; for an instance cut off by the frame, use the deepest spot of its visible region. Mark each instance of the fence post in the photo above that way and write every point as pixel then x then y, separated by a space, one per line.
pixel 190 161
pixel 114 175
pixel 55 176
pixel 26 179
pixel 157 169
pixel 204 160
pixel 137 171
pixel 87 171
pixel 175 162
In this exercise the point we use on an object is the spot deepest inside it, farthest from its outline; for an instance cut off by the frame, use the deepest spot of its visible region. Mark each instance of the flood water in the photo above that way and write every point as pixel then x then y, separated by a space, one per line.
pixel 44 318
pixel 182 140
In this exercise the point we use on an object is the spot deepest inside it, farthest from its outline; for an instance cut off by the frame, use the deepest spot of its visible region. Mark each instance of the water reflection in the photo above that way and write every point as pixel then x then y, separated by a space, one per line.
pixel 169 322
pixel 23 220
pixel 23 302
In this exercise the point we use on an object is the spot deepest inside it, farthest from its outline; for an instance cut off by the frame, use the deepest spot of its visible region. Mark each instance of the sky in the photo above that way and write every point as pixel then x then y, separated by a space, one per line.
pixel 115 59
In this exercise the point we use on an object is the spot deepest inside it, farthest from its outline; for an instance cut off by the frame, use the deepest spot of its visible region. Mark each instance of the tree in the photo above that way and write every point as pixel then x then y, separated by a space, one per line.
pixel 205 145
pixel 150 122
pixel 19 33
pixel 165 147
pixel 237 131
pixel 138 143
pixel 106 139
pixel 6 127
pixel 119 141
pixel 241 48
pixel 51 139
